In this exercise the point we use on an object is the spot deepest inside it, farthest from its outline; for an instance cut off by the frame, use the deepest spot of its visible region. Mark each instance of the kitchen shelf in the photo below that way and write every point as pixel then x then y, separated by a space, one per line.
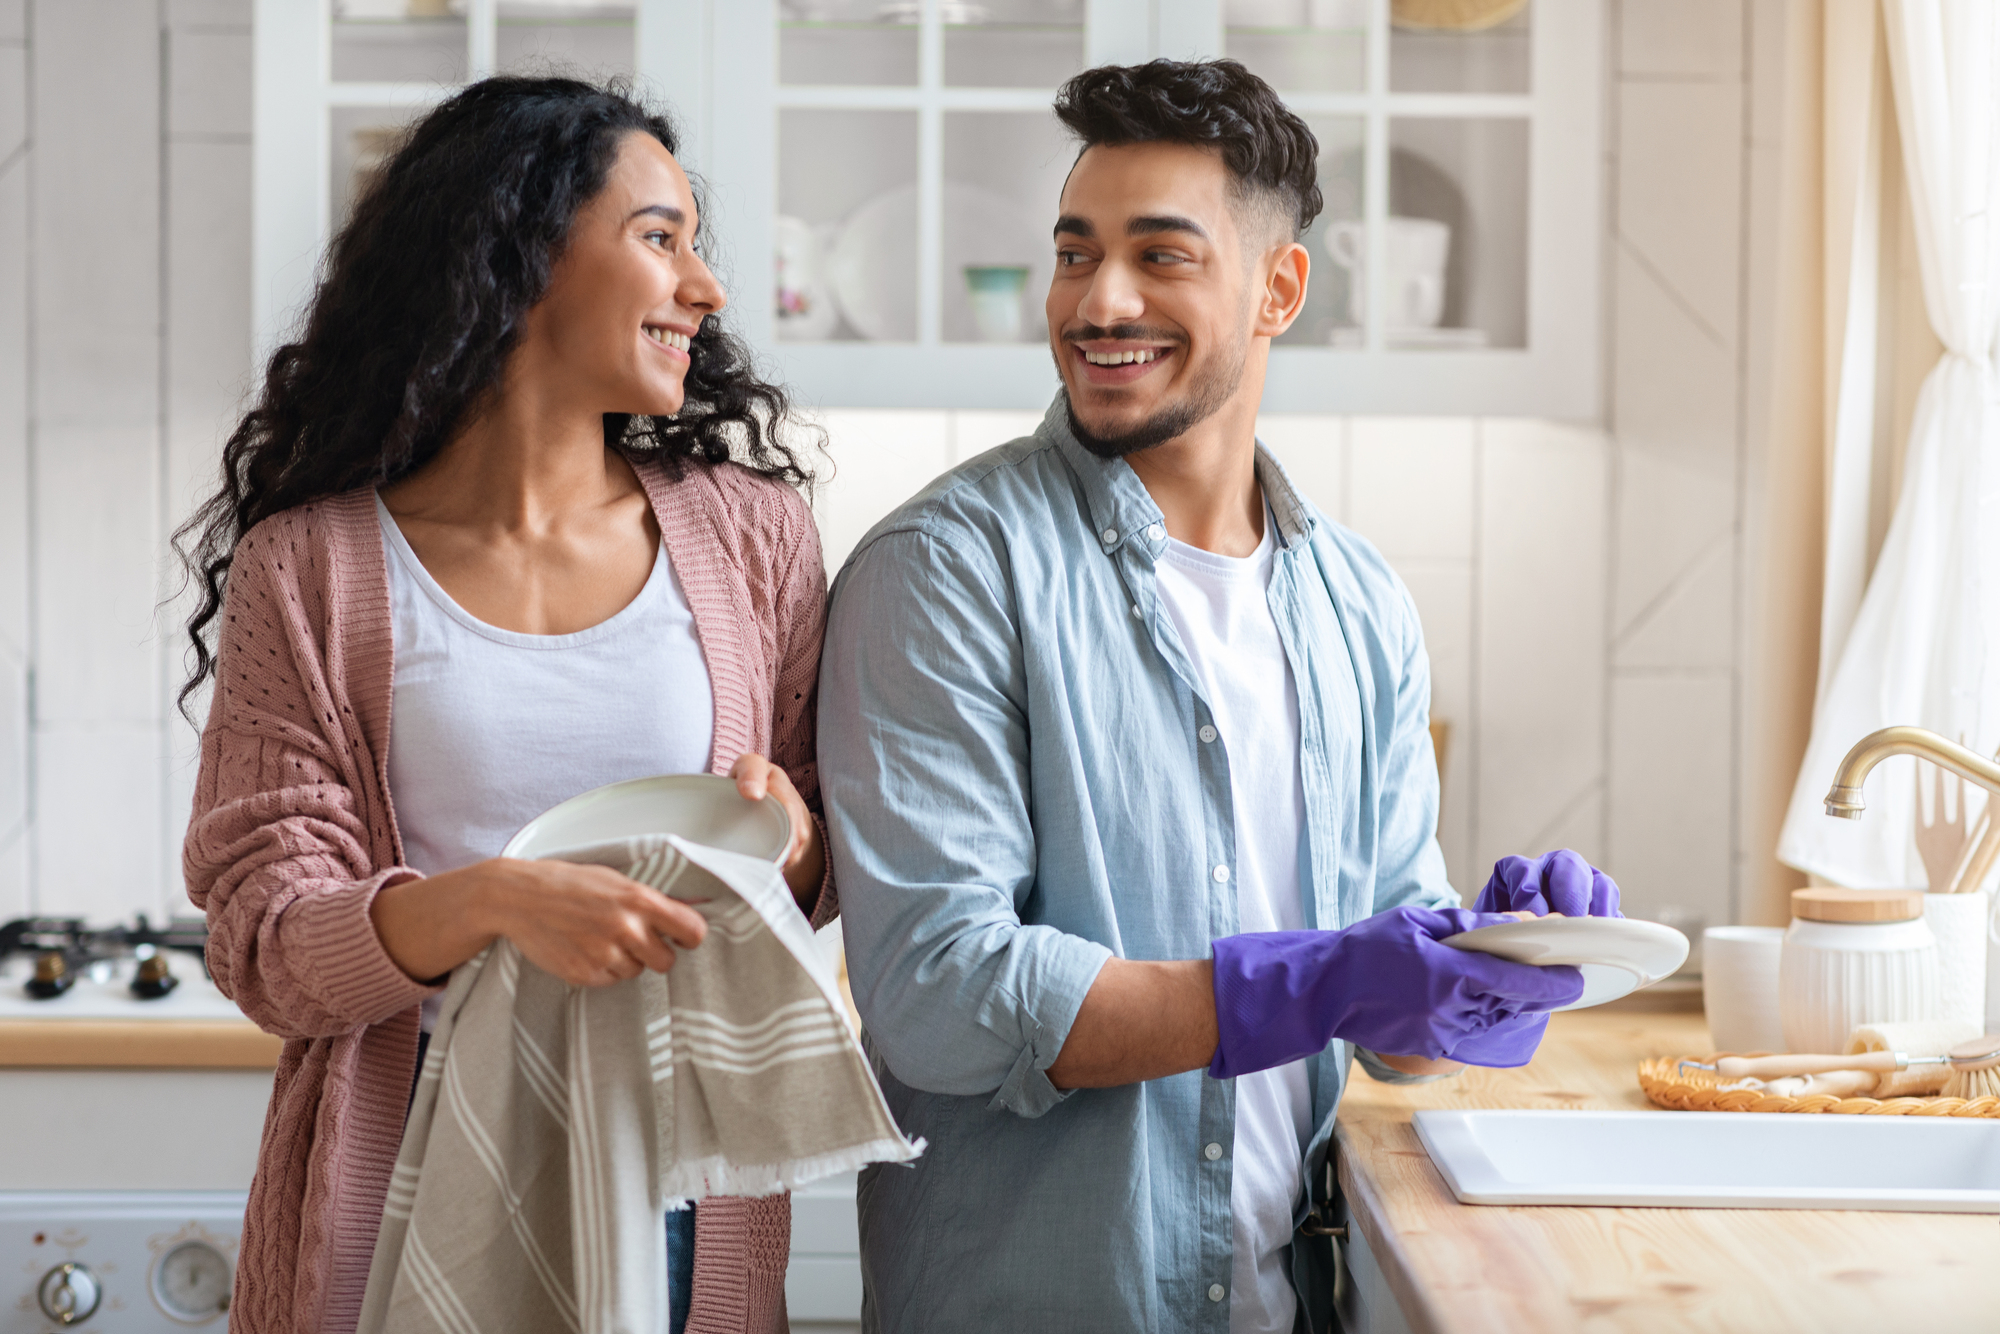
pixel 1494 134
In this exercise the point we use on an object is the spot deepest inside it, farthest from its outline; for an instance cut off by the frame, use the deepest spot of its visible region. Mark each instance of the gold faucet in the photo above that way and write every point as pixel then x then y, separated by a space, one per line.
pixel 1844 797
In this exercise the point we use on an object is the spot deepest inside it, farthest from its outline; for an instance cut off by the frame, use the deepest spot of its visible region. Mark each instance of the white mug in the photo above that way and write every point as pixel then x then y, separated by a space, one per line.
pixel 1739 987
pixel 1413 278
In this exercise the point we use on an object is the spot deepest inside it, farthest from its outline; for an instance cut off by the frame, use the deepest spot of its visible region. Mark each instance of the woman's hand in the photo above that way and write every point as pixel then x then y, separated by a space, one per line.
pixel 805 859
pixel 587 925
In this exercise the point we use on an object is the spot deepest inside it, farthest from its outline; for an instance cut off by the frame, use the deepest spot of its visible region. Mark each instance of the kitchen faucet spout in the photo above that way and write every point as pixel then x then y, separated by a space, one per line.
pixel 1844 797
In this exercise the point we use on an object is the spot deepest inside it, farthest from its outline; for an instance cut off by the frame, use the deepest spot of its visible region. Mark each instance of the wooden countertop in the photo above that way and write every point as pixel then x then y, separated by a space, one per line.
pixel 1456 1269
pixel 182 1044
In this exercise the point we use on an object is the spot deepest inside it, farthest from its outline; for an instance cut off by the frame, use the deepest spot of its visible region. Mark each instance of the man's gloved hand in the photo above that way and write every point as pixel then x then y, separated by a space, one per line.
pixel 1560 882
pixel 1385 983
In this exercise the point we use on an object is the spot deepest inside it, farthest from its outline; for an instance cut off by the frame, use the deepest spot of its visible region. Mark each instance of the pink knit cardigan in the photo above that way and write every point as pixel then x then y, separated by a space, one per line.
pixel 293 834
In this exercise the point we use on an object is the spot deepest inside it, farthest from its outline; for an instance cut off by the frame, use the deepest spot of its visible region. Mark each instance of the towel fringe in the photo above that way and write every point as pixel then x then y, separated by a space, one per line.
pixel 703 1177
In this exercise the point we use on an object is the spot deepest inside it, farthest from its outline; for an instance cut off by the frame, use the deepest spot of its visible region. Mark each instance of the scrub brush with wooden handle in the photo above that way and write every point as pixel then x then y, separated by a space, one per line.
pixel 1975 1069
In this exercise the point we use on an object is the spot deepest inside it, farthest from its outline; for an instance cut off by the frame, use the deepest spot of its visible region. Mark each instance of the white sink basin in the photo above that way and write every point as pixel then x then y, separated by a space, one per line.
pixel 1717 1160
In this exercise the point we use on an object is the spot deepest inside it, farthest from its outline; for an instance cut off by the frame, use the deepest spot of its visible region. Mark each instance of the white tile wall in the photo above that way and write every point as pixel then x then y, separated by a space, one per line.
pixel 13 97
pixel 1679 197
pixel 208 353
pixel 96 215
pixel 1410 485
pixel 1313 451
pixel 1669 513
pixel 1692 623
pixel 1674 381
pixel 97 535
pixel 1444 594
pixel 879 460
pixel 13 401
pixel 208 81
pixel 13 784
pixel 14 563
pixel 1539 747
pixel 973 433
pixel 97 822
pixel 209 13
pixel 1678 372
pixel 1672 792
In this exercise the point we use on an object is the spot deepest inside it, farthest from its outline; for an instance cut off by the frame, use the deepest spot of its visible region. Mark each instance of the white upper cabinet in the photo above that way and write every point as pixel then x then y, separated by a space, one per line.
pixel 897 162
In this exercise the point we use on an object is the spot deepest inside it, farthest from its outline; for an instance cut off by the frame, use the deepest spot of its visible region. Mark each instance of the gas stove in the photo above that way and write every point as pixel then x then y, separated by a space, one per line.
pixel 58 968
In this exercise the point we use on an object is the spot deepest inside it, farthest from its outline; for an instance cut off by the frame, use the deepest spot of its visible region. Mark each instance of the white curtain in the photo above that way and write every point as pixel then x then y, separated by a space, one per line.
pixel 1923 645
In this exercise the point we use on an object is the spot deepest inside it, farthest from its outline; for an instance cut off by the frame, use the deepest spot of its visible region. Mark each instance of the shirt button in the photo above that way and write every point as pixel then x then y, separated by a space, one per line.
pixel 1137 615
pixel 1109 535
pixel 1212 1152
pixel 1216 1292
pixel 1206 733
pixel 1222 875
pixel 1153 532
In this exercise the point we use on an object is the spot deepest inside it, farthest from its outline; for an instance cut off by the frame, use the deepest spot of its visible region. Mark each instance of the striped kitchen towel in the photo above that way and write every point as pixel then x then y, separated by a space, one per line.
pixel 554 1125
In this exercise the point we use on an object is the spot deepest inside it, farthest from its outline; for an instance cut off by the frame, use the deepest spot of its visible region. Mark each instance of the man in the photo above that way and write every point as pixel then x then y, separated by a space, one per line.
pixel 1130 789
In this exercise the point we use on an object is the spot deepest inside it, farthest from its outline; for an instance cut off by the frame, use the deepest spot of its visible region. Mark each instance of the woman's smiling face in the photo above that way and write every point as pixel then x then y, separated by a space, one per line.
pixel 629 291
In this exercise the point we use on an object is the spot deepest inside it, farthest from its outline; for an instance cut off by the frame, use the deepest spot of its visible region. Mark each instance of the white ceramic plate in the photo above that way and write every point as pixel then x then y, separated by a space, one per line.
pixel 1616 955
pixel 873 267
pixel 702 808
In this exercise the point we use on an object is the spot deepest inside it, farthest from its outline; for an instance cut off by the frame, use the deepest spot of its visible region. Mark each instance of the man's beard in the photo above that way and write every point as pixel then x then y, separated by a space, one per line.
pixel 1204 399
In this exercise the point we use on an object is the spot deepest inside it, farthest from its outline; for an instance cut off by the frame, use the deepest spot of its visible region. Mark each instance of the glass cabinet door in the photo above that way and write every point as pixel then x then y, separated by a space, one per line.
pixel 880 176
pixel 388 61
pixel 918 166
pixel 1439 93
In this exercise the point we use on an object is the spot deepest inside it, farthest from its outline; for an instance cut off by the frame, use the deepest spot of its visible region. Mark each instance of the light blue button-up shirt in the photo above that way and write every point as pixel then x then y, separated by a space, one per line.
pixel 1016 790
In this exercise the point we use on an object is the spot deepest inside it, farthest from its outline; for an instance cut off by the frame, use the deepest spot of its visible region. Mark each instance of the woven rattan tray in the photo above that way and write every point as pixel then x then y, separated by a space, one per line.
pixel 1669 1086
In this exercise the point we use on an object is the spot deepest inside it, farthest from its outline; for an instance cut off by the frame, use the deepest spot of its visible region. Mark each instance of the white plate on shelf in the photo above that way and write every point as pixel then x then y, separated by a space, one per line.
pixel 872 263
pixel 702 808
pixel 1616 955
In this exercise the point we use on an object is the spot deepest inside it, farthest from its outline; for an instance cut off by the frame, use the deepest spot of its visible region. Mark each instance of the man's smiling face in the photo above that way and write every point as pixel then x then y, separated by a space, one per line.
pixel 1152 309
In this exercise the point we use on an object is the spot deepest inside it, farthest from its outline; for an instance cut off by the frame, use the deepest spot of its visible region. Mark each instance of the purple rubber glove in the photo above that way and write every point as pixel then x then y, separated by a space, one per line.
pixel 1384 983
pixel 1561 882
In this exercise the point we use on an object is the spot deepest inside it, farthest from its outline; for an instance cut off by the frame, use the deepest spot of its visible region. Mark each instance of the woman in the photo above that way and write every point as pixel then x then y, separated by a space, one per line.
pixel 511 520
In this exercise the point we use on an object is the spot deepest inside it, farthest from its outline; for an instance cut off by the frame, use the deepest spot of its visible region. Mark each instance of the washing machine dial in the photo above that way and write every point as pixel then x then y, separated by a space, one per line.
pixel 69 1293
pixel 191 1283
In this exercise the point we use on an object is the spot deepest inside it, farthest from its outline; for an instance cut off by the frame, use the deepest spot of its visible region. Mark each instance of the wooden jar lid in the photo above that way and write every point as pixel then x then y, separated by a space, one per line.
pixel 1858 905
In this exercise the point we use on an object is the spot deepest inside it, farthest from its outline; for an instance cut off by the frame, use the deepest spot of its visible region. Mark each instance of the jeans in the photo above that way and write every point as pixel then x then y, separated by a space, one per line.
pixel 680 1267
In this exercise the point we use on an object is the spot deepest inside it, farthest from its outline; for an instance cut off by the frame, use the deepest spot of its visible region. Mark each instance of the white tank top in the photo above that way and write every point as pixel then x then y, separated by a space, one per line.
pixel 489 727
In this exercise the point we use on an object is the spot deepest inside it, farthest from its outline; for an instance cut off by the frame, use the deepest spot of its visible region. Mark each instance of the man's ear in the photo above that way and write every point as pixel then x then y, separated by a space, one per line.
pixel 1284 270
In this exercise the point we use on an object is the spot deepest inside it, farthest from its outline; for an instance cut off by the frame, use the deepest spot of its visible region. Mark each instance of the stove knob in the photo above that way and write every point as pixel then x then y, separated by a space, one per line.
pixel 69 1294
pixel 52 976
pixel 153 980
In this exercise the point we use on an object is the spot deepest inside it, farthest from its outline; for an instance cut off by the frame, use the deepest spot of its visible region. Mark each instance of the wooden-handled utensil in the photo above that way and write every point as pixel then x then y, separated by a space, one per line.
pixel 1778 1067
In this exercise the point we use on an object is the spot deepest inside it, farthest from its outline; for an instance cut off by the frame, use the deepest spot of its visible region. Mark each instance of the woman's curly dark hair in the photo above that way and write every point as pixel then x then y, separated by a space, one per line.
pixel 419 305
pixel 1208 103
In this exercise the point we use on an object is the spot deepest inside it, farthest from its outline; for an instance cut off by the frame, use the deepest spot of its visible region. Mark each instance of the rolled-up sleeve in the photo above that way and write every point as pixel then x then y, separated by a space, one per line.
pixel 923 756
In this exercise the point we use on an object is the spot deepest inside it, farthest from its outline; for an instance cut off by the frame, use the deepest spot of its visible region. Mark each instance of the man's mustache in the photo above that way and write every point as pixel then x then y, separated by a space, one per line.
pixel 1124 333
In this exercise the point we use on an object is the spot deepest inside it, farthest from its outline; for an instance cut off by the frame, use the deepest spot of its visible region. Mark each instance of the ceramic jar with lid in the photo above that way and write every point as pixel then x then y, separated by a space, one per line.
pixel 1854 957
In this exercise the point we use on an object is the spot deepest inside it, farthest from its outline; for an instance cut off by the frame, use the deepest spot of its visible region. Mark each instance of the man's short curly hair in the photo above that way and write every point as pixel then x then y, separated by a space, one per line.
pixel 1271 156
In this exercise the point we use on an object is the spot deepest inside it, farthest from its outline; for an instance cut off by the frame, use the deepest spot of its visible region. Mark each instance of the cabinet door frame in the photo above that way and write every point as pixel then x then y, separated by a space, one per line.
pixel 714 62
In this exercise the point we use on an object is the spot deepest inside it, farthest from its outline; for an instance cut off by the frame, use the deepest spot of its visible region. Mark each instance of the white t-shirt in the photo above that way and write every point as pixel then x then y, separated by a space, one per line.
pixel 1221 610
pixel 489 728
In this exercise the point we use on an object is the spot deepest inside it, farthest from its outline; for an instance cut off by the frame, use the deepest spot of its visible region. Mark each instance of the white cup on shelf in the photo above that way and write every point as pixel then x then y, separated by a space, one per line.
pixel 1739 987
pixel 1413 276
